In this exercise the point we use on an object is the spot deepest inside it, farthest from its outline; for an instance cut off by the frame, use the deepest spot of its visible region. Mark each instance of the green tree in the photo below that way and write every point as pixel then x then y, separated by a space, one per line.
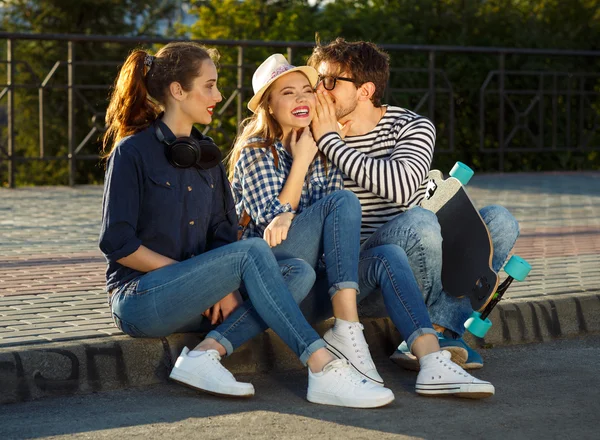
pixel 96 65
pixel 553 24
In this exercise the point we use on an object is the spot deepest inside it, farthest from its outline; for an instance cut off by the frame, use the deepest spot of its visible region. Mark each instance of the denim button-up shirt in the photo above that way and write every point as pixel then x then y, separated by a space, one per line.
pixel 176 212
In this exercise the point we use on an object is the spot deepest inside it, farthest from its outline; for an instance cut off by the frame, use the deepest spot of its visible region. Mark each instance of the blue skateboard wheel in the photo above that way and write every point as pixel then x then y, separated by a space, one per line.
pixel 478 326
pixel 461 172
pixel 517 268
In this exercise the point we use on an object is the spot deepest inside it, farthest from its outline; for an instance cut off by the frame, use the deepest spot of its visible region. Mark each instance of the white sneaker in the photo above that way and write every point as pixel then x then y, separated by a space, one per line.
pixel 339 384
pixel 205 372
pixel 403 357
pixel 347 341
pixel 440 376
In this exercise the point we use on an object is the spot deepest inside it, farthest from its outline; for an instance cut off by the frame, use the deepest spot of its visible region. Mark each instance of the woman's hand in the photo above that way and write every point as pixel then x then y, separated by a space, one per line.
pixel 303 148
pixel 221 310
pixel 278 229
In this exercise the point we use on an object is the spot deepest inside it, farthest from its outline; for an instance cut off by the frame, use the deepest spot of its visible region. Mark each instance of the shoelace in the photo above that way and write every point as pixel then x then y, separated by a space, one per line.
pixel 360 345
pixel 342 368
pixel 215 358
pixel 447 363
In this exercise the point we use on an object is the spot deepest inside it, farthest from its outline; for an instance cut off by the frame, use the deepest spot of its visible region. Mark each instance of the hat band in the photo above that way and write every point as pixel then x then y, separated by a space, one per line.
pixel 280 70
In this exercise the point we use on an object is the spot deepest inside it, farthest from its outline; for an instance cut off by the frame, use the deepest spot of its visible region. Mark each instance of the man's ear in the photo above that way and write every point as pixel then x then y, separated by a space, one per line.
pixel 366 91
pixel 177 91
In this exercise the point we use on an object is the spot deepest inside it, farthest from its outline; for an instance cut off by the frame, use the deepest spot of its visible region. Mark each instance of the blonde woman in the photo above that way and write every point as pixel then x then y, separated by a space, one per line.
pixel 293 198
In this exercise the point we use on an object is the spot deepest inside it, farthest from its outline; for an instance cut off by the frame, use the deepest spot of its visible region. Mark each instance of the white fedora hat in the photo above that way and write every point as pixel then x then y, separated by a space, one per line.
pixel 271 69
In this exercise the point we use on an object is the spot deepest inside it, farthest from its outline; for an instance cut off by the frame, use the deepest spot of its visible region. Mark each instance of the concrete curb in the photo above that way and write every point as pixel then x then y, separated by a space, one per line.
pixel 539 319
pixel 101 364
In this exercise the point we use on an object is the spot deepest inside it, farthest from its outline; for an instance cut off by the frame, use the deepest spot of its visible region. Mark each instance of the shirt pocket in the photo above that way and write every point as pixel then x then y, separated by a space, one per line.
pixel 163 200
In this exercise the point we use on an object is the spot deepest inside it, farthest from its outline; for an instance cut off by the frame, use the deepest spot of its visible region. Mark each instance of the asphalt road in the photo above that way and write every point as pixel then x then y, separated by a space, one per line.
pixel 543 391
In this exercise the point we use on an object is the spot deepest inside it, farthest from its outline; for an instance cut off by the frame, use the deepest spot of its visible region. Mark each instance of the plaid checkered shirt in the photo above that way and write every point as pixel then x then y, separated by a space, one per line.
pixel 257 184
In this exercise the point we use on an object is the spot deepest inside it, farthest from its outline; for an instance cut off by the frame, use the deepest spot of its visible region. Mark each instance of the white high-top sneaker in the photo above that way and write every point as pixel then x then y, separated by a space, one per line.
pixel 340 385
pixel 347 341
pixel 440 376
pixel 205 372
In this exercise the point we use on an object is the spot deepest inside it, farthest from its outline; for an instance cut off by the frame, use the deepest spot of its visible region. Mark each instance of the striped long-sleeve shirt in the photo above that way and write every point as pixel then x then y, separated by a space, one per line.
pixel 386 168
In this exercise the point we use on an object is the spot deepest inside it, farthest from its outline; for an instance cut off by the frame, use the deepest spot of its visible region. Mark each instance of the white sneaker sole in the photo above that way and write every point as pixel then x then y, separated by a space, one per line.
pixel 329 399
pixel 334 351
pixel 466 390
pixel 196 383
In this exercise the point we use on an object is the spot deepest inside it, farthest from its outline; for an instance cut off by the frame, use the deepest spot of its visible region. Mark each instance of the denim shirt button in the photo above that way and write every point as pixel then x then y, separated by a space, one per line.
pixel 192 222
pixel 189 188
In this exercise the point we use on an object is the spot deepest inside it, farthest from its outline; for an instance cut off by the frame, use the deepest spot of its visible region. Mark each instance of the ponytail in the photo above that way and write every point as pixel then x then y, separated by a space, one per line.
pixel 142 87
pixel 130 109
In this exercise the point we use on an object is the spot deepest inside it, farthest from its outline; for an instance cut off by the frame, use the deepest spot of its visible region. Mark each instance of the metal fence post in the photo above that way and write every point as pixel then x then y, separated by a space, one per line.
pixel 240 86
pixel 10 75
pixel 580 136
pixel 541 113
pixel 41 120
pixel 432 86
pixel 501 62
pixel 71 111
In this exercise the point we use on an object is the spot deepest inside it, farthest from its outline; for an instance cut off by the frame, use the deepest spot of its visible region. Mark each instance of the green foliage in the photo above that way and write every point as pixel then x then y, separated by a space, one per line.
pixel 551 24
pixel 35 60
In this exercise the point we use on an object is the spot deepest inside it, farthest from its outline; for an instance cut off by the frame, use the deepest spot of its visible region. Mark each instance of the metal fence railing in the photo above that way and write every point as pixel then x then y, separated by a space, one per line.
pixel 514 110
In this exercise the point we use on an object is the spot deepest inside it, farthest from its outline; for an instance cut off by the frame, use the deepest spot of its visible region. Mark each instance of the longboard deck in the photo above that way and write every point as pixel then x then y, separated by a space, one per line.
pixel 466 246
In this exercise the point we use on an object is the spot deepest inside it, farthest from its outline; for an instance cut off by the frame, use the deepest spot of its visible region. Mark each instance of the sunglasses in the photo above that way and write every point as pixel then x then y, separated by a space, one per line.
pixel 330 81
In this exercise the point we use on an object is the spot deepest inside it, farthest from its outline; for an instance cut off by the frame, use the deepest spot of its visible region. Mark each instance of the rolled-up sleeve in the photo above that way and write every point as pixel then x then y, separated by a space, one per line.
pixel 259 185
pixel 123 189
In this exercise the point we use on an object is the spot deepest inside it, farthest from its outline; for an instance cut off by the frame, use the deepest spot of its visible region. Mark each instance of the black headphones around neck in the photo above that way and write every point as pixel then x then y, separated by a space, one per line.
pixel 196 150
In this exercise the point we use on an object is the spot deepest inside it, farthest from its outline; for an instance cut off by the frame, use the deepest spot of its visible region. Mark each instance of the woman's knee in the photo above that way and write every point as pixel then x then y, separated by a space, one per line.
pixel 299 277
pixel 346 200
pixel 256 249
pixel 255 244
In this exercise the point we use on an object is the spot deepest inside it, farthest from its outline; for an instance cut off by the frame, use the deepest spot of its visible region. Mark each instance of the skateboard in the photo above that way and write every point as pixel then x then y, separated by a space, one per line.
pixel 467 248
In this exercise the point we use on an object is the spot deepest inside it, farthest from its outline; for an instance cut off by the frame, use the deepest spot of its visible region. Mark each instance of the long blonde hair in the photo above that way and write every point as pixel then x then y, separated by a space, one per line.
pixel 261 125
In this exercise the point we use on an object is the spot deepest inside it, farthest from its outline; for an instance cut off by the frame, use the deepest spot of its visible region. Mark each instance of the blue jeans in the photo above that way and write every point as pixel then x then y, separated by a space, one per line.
pixel 174 297
pixel 417 231
pixel 385 267
pixel 330 227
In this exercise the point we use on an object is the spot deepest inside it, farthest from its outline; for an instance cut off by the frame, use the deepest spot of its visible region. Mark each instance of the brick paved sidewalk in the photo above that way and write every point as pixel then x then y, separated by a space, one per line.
pixel 52 273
